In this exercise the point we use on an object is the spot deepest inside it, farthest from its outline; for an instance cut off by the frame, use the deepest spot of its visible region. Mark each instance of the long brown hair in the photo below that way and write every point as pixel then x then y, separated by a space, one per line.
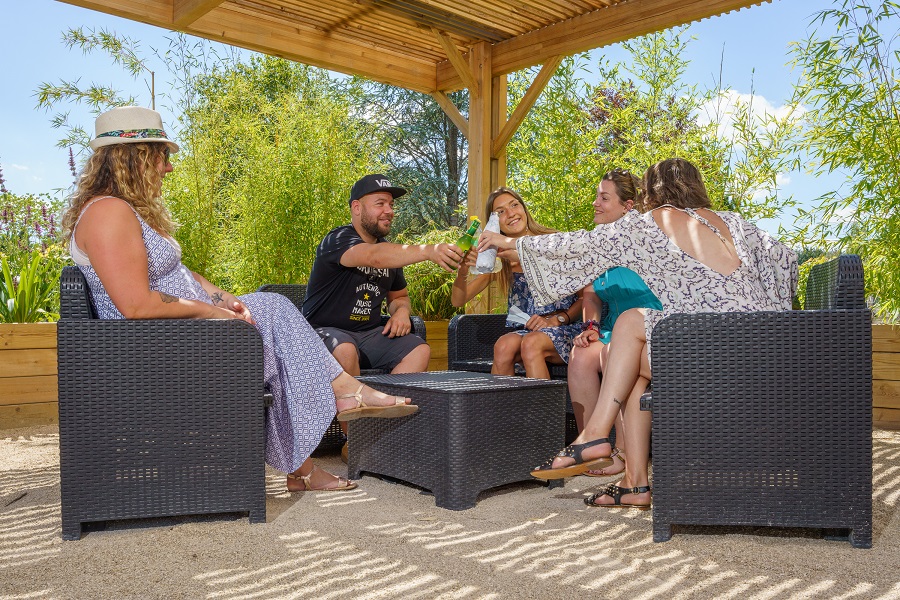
pixel 628 187
pixel 677 182
pixel 126 171
pixel 532 227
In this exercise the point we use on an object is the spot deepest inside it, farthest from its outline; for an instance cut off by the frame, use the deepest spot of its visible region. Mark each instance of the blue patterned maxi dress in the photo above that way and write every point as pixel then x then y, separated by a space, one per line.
pixel 297 366
pixel 564 335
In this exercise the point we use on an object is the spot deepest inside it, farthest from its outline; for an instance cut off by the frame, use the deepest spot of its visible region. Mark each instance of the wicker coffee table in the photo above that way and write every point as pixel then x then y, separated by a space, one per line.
pixel 473 432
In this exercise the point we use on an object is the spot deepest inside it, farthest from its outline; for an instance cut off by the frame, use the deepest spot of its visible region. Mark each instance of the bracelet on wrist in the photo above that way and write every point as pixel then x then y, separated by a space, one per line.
pixel 590 324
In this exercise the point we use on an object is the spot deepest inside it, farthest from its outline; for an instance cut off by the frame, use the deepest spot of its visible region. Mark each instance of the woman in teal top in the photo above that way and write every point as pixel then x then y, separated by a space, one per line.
pixel 621 289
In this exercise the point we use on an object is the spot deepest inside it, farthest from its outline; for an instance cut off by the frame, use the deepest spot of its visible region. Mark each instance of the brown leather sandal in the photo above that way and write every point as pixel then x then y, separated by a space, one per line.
pixel 342 486
pixel 399 409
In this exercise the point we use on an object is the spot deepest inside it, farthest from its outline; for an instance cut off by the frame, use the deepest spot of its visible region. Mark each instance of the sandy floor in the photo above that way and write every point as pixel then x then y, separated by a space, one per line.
pixel 385 540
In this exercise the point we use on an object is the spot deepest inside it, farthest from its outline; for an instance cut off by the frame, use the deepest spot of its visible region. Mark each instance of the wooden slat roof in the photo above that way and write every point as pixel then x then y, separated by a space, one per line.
pixel 398 41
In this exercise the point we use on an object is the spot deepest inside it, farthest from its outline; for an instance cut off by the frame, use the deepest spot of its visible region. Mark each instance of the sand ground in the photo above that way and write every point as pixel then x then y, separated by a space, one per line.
pixel 388 540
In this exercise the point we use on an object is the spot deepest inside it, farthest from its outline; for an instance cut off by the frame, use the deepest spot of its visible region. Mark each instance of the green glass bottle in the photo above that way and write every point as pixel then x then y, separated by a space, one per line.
pixel 468 239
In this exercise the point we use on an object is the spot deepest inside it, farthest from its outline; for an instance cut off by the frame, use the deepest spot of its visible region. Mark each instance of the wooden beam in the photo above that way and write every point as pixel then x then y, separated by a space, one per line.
pixel 459 62
pixel 534 91
pixel 451 111
pixel 602 27
pixel 480 131
pixel 297 42
pixel 185 12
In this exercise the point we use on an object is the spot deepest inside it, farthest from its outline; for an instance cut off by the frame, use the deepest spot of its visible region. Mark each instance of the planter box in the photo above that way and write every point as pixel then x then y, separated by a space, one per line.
pixel 437 339
pixel 886 376
pixel 28 382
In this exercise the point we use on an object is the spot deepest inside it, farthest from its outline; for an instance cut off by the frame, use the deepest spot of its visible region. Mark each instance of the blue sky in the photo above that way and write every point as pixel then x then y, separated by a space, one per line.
pixel 752 42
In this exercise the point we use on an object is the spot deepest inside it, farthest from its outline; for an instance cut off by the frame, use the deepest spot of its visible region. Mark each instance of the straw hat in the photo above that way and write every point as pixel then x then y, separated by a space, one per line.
pixel 130 124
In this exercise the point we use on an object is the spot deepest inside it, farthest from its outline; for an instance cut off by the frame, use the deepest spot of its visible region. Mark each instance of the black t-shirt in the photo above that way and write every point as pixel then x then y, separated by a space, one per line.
pixel 348 298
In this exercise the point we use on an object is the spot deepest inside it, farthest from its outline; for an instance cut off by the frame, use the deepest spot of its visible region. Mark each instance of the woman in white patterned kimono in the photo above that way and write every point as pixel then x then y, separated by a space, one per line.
pixel 120 236
pixel 692 258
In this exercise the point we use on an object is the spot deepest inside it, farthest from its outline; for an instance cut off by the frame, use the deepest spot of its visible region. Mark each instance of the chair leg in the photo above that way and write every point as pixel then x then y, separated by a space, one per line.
pixel 662 532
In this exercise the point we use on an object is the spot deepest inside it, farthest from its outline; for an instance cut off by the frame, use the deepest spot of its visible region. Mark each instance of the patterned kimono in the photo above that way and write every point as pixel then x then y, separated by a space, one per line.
pixel 559 264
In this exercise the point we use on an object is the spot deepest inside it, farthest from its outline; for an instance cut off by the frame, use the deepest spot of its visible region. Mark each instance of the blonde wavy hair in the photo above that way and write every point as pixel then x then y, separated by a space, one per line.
pixel 532 227
pixel 126 171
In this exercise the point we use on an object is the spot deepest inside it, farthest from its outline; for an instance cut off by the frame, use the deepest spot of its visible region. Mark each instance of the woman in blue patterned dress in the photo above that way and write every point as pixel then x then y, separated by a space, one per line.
pixel 547 335
pixel 694 260
pixel 621 289
pixel 120 235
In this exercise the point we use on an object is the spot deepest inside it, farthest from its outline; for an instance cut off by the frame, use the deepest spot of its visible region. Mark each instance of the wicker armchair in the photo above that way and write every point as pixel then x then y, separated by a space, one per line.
pixel 296 292
pixel 157 418
pixel 765 419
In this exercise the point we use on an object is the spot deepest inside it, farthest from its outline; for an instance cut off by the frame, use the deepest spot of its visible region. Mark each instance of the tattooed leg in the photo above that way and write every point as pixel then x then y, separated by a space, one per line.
pixel 168 299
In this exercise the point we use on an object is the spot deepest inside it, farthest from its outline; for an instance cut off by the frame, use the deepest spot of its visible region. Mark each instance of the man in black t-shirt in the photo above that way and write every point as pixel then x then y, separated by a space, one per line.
pixel 355 271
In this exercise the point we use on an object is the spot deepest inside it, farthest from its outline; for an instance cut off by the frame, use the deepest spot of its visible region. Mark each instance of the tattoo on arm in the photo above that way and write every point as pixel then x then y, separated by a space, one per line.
pixel 617 401
pixel 217 298
pixel 167 298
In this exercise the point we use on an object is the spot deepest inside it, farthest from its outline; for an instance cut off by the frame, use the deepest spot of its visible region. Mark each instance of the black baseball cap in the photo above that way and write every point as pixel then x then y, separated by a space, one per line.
pixel 374 183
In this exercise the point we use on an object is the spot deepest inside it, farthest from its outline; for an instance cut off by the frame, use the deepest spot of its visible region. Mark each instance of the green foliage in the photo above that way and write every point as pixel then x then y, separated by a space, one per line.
pixel 851 88
pixel 429 286
pixel 29 297
pixel 270 151
pixel 30 246
pixel 805 267
pixel 640 113
pixel 551 159
pixel 424 151
pixel 122 50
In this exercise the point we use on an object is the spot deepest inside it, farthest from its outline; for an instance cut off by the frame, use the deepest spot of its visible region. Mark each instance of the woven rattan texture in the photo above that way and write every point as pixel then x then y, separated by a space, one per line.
pixel 473 432
pixel 334 437
pixel 470 347
pixel 764 419
pixel 158 418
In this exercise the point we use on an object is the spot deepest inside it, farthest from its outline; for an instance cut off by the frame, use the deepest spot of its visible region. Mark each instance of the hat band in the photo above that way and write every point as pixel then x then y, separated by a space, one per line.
pixel 135 133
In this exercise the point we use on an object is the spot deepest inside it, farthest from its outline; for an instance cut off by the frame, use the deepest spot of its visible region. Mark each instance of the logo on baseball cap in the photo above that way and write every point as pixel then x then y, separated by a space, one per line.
pixel 374 183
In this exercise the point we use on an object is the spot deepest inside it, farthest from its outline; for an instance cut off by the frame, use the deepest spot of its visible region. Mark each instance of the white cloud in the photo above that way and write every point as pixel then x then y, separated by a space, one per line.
pixel 19 167
pixel 724 108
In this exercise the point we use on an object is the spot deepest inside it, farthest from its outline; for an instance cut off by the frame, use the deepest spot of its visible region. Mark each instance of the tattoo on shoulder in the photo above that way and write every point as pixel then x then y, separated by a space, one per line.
pixel 617 401
pixel 168 298
pixel 217 298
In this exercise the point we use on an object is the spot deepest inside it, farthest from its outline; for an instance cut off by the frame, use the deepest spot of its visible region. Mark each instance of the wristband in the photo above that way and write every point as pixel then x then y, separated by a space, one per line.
pixel 589 325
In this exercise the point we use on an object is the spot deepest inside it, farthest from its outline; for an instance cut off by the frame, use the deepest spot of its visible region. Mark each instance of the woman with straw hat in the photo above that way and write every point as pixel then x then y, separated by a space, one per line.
pixel 120 236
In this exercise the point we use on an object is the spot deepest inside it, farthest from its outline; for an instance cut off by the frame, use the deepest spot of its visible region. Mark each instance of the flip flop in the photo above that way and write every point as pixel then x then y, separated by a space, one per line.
pixel 344 485
pixel 399 409
pixel 616 493
pixel 546 470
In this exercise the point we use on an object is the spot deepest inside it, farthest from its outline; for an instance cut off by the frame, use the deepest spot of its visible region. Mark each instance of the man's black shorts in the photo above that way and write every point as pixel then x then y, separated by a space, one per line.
pixel 375 350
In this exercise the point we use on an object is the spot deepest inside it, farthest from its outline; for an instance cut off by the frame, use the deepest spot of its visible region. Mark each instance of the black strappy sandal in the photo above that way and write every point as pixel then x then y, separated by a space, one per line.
pixel 616 493
pixel 546 470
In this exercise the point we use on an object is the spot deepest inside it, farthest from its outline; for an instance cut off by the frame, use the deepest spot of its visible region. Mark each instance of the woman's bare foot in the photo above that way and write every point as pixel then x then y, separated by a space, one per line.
pixel 347 399
pixel 614 469
pixel 317 480
pixel 598 451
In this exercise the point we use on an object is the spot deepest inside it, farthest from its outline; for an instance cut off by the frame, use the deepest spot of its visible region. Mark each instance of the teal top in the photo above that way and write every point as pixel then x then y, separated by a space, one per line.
pixel 622 289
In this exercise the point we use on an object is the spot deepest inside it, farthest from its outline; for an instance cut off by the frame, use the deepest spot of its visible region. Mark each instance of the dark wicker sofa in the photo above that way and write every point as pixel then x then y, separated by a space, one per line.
pixel 765 419
pixel 157 418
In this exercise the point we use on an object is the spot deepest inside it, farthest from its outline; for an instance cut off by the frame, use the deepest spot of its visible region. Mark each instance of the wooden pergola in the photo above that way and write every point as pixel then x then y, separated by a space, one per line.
pixel 431 46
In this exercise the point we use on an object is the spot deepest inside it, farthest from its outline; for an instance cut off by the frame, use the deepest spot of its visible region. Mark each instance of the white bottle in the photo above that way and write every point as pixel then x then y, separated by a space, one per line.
pixel 486 259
